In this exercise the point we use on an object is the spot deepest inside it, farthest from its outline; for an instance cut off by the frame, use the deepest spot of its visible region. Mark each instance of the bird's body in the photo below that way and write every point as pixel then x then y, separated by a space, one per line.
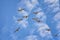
pixel 48 29
pixel 35 12
pixel 36 19
pixel 57 34
pixel 25 16
pixel 20 9
pixel 19 20
pixel 17 29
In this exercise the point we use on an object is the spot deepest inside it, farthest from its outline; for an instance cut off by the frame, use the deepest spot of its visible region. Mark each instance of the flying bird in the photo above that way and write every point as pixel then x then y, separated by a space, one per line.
pixel 57 34
pixel 48 29
pixel 19 20
pixel 36 19
pixel 25 16
pixel 17 29
pixel 35 12
pixel 20 9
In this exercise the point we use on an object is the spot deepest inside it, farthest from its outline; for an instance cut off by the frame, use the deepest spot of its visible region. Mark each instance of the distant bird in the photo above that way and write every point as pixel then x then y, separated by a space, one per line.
pixel 20 9
pixel 35 12
pixel 36 19
pixel 48 29
pixel 17 29
pixel 19 20
pixel 57 34
pixel 25 16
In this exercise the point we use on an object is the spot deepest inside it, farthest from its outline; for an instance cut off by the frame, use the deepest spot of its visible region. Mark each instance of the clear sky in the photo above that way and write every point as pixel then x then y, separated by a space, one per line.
pixel 29 29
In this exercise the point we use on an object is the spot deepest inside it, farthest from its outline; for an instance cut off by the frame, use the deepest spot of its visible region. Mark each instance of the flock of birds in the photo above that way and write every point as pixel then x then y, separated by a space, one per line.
pixel 35 19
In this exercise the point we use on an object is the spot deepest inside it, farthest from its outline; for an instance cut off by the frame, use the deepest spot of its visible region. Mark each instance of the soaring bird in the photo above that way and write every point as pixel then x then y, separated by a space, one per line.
pixel 25 16
pixel 57 34
pixel 35 12
pixel 19 20
pixel 48 29
pixel 17 29
pixel 20 9
pixel 36 19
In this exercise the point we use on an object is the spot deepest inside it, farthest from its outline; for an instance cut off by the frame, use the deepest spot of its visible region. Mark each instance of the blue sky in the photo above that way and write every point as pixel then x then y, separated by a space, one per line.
pixel 9 15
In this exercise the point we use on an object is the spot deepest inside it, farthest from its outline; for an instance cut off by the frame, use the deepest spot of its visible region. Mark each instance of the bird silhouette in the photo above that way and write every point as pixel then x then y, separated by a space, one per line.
pixel 19 19
pixel 35 12
pixel 17 29
pixel 48 29
pixel 20 9
pixel 57 34
pixel 25 16
pixel 36 19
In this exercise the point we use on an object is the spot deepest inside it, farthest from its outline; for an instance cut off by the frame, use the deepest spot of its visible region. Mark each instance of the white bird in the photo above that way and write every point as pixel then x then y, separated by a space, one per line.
pixel 19 20
pixel 37 19
pixel 20 9
pixel 25 16
pixel 35 12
